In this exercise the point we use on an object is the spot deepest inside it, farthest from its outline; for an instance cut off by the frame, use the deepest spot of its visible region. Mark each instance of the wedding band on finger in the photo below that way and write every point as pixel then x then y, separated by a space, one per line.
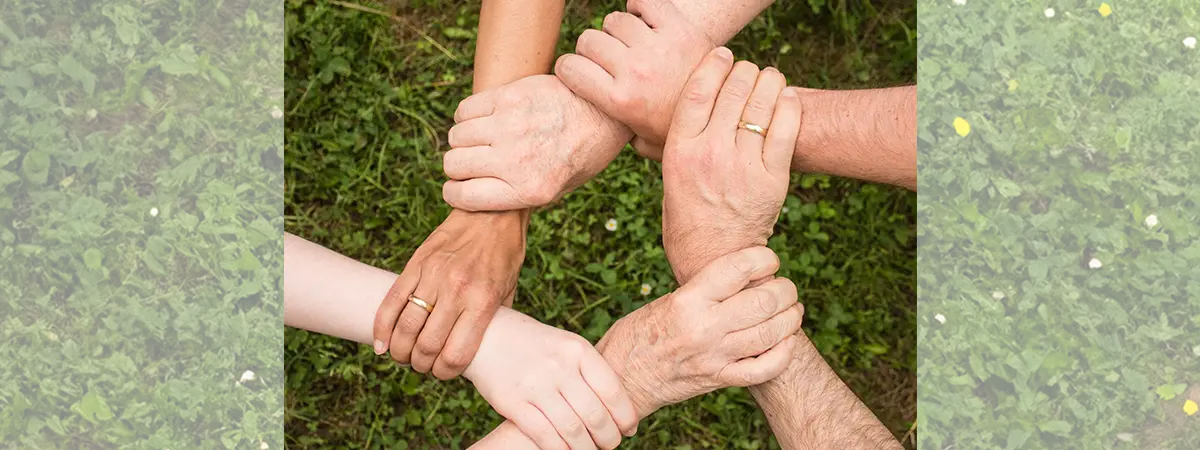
pixel 752 128
pixel 426 306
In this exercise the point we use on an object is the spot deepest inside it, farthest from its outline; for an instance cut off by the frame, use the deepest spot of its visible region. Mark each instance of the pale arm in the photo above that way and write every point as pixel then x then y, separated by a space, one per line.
pixel 325 292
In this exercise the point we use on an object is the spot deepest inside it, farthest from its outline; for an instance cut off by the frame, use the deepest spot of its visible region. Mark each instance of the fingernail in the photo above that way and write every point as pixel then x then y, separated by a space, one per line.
pixel 788 93
pixel 770 69
pixel 724 53
pixel 379 347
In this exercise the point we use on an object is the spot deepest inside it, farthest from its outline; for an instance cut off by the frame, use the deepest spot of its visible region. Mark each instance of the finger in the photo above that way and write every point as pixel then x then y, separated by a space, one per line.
pixel 472 132
pixel 462 344
pixel 627 28
pixel 733 97
pixel 476 106
pixel 758 339
pixel 729 274
pixel 655 13
pixel 464 163
pixel 600 425
pixel 482 194
pixel 758 304
pixel 781 137
pixel 606 51
pixel 700 93
pixel 761 368
pixel 436 330
pixel 586 79
pixel 600 377
pixel 404 337
pixel 534 425
pixel 566 422
pixel 648 149
pixel 758 111
pixel 389 309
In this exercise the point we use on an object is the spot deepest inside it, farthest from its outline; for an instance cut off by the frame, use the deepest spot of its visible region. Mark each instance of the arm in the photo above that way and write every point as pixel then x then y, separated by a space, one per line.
pixel 331 294
pixel 868 134
pixel 808 405
pixel 325 292
pixel 721 330
pixel 865 134
pixel 530 142
pixel 510 46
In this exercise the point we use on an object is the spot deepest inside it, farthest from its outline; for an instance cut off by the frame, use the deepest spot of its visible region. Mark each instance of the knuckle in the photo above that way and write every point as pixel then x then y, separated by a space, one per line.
pixel 597 418
pixel 738 88
pixel 612 19
pixel 697 92
pixel 767 335
pixel 587 40
pixel 765 302
pixel 429 346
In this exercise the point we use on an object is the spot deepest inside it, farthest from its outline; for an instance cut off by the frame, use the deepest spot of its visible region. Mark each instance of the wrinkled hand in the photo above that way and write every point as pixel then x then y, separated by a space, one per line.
pixel 525 145
pixel 723 186
pixel 552 384
pixel 465 270
pixel 711 333
pixel 635 69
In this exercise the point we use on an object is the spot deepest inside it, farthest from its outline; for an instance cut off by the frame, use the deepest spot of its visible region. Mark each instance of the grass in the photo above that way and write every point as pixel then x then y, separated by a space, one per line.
pixel 369 99
pixel 140 208
pixel 1059 237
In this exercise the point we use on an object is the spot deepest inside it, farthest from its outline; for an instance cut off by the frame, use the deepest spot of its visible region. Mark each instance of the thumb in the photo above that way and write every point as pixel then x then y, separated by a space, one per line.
pixel 481 194
pixel 729 274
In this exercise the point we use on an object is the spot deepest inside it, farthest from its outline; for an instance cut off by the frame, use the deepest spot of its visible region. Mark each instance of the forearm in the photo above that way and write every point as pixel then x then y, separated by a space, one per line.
pixel 327 293
pixel 809 407
pixel 516 40
pixel 511 47
pixel 721 20
pixel 868 134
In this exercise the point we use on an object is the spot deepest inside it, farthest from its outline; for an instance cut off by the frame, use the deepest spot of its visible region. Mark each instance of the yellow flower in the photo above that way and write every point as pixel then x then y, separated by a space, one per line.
pixel 961 126
pixel 1190 407
pixel 1105 10
pixel 1012 85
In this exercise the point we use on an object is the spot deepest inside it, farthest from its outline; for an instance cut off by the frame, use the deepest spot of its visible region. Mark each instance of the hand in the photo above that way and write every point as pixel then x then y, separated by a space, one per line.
pixel 723 186
pixel 635 69
pixel 525 145
pixel 551 384
pixel 464 270
pixel 711 333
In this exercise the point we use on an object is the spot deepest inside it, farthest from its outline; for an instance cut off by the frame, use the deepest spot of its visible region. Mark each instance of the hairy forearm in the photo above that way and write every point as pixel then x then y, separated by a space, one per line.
pixel 721 20
pixel 809 407
pixel 868 134
pixel 327 293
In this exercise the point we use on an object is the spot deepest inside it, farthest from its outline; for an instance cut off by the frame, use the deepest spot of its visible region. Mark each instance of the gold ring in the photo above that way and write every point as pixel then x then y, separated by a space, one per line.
pixel 752 128
pixel 421 303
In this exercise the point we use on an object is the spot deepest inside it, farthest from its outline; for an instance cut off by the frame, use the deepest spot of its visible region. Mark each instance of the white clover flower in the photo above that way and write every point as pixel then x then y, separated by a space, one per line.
pixel 91 113
pixel 153 212
pixel 1049 13
pixel 1095 263
pixel 785 210
pixel 611 225
pixel 1151 220
pixel 247 376
pixel 1189 42
pixel 940 318
pixel 960 2
pixel 1127 437
pixel 263 445
pixel 998 295
pixel 276 113
pixel 645 289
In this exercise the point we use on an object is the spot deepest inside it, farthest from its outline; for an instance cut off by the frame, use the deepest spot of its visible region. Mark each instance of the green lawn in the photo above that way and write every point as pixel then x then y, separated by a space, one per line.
pixel 369 100
pixel 1059 238
pixel 140 209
